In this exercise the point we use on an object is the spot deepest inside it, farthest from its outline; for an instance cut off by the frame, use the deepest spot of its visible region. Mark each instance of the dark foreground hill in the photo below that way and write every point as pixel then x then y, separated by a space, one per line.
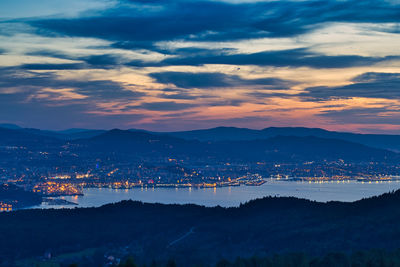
pixel 192 234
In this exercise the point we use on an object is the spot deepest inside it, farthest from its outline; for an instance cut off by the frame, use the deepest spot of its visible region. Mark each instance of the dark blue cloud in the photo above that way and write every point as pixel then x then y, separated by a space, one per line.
pixel 214 79
pixel 140 24
pixel 212 20
pixel 363 116
pixel 282 58
pixel 50 53
pixel 370 85
pixel 15 108
pixel 175 20
pixel 20 101
pixel 33 82
pixel 134 45
pixel 162 106
pixel 21 108
pixel 197 56
pixel 177 106
pixel 181 96
pixel 64 66
pixel 103 61
pixel 291 18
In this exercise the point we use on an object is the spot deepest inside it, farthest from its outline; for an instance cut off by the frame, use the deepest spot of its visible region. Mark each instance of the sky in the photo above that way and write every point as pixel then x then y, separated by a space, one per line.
pixel 168 65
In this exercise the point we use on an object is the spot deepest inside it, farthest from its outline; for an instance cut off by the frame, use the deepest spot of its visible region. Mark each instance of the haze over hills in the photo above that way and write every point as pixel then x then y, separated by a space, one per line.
pixel 69 134
pixel 280 148
pixel 139 143
pixel 22 137
pixel 232 133
pixel 9 126
pixel 384 141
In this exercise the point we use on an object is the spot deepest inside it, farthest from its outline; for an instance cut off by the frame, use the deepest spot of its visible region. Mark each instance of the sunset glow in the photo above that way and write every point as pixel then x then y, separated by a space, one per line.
pixel 180 65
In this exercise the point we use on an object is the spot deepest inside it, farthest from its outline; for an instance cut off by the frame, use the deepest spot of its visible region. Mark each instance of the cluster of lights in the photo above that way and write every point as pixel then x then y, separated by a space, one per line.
pixel 53 188
pixel 5 206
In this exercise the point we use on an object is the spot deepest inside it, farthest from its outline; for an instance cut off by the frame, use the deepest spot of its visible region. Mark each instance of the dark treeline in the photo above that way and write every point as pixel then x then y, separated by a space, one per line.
pixel 194 234
pixel 358 259
pixel 369 258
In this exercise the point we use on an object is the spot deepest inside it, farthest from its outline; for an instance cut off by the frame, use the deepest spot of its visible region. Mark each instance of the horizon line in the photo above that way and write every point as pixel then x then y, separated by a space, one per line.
pixel 16 127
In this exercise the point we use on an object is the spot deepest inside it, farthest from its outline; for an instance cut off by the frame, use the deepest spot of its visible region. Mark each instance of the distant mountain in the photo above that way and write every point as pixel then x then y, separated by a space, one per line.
pixel 220 134
pixel 9 126
pixel 32 130
pixel 83 134
pixel 46 133
pixel 280 148
pixel 73 131
pixel 383 141
pixel 239 134
pixel 308 148
pixel 70 134
pixel 143 143
pixel 26 138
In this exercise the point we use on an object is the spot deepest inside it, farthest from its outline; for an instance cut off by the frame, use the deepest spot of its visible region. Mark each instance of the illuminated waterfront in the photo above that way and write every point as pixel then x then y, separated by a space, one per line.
pixel 233 196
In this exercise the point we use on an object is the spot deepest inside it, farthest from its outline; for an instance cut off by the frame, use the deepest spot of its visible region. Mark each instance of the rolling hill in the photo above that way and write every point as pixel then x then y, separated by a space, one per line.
pixel 154 231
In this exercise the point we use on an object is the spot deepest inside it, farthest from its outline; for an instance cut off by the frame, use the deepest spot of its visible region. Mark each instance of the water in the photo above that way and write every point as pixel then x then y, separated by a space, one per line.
pixel 232 196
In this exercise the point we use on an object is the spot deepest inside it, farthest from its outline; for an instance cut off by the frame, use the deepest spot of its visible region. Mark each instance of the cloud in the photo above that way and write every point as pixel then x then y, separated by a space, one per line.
pixel 282 58
pixel 131 35
pixel 370 85
pixel 30 112
pixel 102 61
pixel 29 9
pixel 176 19
pixel 266 94
pixel 363 116
pixel 195 122
pixel 17 80
pixel 44 100
pixel 181 95
pixel 216 20
pixel 193 56
pixel 44 66
pixel 162 106
pixel 206 80
pixel 138 25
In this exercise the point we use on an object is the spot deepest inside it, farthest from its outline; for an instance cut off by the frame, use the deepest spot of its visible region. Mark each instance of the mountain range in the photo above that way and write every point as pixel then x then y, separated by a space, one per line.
pixel 384 141
pixel 229 144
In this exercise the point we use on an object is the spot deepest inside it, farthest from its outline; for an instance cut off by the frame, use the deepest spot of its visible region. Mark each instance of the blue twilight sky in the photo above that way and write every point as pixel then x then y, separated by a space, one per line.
pixel 187 64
